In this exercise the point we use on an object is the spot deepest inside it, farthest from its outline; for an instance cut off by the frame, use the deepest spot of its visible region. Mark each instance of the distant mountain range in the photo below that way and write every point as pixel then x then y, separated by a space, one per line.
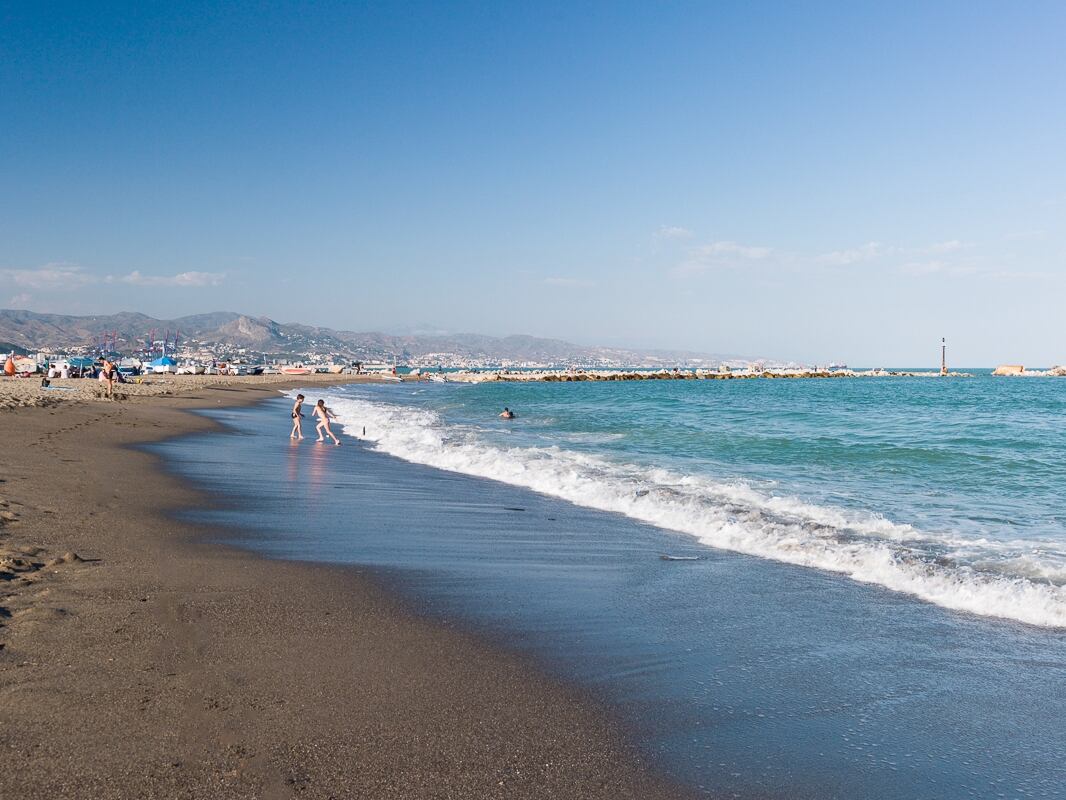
pixel 227 330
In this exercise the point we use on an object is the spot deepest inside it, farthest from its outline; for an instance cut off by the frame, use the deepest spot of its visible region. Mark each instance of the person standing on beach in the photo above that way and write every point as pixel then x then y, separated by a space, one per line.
pixel 324 416
pixel 108 374
pixel 297 415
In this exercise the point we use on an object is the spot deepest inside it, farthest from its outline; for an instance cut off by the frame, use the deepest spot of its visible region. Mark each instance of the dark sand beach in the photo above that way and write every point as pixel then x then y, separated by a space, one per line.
pixel 141 660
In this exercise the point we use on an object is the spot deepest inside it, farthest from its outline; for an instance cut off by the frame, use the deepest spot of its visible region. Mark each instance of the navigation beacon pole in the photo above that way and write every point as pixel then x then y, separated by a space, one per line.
pixel 943 356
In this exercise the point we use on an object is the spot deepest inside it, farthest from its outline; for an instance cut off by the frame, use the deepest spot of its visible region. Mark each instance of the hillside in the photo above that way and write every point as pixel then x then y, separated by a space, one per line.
pixel 32 331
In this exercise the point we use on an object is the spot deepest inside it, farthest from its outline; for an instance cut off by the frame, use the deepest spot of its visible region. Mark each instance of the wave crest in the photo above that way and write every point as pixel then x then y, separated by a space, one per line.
pixel 1023 581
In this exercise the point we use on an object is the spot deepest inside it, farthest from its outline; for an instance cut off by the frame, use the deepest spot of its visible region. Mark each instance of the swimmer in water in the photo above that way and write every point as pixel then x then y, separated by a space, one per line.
pixel 297 415
pixel 324 416
pixel 506 413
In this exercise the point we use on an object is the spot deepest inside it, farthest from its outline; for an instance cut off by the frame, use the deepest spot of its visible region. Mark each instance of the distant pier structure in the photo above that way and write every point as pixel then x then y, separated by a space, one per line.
pixel 943 356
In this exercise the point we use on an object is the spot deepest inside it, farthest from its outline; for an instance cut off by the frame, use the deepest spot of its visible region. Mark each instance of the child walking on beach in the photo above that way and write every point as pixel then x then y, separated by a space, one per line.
pixel 324 416
pixel 297 415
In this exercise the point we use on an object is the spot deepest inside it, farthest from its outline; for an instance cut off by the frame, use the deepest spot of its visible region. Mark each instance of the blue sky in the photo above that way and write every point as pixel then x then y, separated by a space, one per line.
pixel 818 181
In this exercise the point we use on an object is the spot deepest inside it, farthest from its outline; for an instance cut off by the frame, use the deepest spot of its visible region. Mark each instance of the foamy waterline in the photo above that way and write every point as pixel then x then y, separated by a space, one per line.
pixel 1010 580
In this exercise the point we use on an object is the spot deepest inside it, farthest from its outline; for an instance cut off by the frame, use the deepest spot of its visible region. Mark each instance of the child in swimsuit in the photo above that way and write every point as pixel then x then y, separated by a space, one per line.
pixel 297 415
pixel 324 416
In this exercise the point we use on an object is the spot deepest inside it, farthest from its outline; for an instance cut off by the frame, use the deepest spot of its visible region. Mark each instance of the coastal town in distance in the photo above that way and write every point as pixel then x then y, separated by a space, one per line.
pixel 233 344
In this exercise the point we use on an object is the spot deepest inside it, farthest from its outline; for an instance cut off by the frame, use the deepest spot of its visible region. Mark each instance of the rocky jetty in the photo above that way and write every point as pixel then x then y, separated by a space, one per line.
pixel 1017 370
pixel 579 375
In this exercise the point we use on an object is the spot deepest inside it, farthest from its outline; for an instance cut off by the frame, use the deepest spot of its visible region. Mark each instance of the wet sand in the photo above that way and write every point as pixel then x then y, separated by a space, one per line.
pixel 20 392
pixel 137 659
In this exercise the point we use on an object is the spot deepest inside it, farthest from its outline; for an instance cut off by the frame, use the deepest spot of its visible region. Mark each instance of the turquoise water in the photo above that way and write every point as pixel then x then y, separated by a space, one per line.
pixel 949 490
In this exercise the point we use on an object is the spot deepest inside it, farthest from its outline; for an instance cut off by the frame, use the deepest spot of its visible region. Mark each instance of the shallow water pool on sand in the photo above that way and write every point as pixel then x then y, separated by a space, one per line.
pixel 739 675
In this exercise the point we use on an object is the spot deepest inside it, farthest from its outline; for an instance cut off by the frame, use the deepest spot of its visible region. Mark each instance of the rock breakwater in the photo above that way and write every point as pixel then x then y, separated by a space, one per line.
pixel 578 375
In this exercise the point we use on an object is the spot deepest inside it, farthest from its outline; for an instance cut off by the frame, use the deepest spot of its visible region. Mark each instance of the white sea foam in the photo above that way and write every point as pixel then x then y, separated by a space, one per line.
pixel 1014 580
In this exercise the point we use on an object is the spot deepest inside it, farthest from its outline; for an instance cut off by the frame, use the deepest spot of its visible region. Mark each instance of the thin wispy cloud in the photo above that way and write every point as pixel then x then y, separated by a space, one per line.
pixel 950 257
pixel 63 277
pixel 957 259
pixel 932 267
pixel 923 258
pixel 566 282
pixel 182 279
pixel 943 268
pixel 946 269
pixel 21 300
pixel 950 246
pixel 50 277
pixel 744 251
pixel 673 232
pixel 719 255
pixel 853 255
pixel 1021 275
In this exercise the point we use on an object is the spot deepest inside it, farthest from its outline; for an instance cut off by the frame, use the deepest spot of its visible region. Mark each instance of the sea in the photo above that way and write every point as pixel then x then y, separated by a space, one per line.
pixel 823 588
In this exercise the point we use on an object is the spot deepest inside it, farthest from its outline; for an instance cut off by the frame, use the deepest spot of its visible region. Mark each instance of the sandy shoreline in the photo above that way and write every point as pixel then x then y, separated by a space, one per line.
pixel 156 664
pixel 21 392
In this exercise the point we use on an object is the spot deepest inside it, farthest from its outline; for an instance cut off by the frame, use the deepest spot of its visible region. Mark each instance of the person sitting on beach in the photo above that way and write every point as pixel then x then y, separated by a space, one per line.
pixel 297 415
pixel 324 416
pixel 506 413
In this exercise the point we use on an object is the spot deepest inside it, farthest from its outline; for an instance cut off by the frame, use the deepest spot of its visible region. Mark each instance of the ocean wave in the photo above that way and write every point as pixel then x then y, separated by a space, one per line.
pixel 1023 582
